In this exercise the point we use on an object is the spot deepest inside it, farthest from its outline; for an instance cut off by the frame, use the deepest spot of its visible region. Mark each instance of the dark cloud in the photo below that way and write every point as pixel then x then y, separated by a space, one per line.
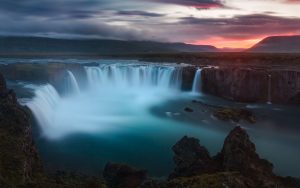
pixel 133 20
pixel 139 13
pixel 200 4
pixel 241 27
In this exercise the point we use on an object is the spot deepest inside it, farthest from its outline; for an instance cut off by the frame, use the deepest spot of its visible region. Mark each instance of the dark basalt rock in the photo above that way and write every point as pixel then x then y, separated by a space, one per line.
pixel 236 115
pixel 188 109
pixel 121 176
pixel 238 158
pixel 191 158
pixel 238 84
pixel 253 85
pixel 285 87
pixel 239 154
pixel 19 161
pixel 188 74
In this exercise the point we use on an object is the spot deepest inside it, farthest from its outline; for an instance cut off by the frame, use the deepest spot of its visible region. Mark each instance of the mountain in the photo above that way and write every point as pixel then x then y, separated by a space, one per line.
pixel 279 44
pixel 93 46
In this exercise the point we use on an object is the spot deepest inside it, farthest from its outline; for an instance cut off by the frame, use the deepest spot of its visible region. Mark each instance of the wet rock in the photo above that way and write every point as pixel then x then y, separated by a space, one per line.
pixel 237 165
pixel 236 115
pixel 191 158
pixel 120 176
pixel 188 109
pixel 239 154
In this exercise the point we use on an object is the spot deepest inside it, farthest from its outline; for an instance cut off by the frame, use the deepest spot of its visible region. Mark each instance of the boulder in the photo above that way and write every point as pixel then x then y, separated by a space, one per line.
pixel 237 161
pixel 191 158
pixel 236 115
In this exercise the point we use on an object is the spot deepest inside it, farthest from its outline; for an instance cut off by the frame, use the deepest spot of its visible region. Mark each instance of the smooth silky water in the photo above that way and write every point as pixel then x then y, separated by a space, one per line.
pixel 122 115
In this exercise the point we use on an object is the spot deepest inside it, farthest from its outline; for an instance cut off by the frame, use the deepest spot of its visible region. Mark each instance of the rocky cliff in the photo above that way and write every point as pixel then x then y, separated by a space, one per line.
pixel 253 85
pixel 52 73
pixel 19 161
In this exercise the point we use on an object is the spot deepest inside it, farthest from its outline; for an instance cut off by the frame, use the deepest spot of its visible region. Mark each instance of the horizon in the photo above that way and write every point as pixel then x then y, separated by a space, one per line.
pixel 220 23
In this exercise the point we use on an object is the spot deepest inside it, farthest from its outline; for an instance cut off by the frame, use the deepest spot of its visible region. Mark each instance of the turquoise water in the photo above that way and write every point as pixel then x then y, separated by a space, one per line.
pixel 134 120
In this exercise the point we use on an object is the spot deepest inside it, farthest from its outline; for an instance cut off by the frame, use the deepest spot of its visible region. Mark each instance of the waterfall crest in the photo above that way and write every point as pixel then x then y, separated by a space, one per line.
pixel 197 82
pixel 133 76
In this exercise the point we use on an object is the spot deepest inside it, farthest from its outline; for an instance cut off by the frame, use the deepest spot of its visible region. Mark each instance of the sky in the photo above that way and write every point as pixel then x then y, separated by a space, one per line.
pixel 222 23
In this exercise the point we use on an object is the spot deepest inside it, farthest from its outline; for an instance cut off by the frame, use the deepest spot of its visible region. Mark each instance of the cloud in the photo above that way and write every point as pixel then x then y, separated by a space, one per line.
pixel 292 1
pixel 240 27
pixel 134 20
pixel 200 4
pixel 139 13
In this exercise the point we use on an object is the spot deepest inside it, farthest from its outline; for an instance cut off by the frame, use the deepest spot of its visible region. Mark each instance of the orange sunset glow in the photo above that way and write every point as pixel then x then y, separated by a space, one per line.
pixel 220 42
pixel 228 43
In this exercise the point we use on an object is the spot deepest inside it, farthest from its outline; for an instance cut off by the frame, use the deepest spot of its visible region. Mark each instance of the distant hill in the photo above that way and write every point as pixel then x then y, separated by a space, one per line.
pixel 94 46
pixel 279 44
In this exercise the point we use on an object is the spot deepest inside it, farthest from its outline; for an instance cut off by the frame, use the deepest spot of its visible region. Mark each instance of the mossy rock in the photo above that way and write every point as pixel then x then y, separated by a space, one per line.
pixel 234 114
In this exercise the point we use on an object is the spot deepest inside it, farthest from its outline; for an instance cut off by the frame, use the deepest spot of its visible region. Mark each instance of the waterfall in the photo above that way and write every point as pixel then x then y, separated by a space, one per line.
pixel 116 94
pixel 43 105
pixel 134 76
pixel 72 85
pixel 197 82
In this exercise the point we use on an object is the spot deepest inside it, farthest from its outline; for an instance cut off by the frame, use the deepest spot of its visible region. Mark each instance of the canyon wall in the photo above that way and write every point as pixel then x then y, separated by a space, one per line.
pixel 253 85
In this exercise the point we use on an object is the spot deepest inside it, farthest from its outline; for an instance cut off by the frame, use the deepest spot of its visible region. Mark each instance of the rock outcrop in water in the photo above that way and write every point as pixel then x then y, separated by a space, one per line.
pixel 236 166
pixel 251 85
pixel 191 158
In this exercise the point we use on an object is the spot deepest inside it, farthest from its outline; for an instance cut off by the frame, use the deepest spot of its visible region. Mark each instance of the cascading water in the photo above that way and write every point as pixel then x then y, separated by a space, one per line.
pixel 197 82
pixel 116 94
pixel 72 85
pixel 134 76
pixel 44 104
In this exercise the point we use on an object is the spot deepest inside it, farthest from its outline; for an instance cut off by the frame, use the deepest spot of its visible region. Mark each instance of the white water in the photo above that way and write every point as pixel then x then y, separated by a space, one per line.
pixel 72 84
pixel 134 76
pixel 197 82
pixel 117 96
